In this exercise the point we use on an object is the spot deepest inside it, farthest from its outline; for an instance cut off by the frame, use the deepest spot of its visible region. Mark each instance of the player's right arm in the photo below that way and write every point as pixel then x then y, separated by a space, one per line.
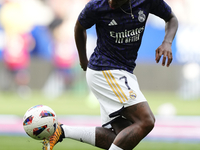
pixel 80 39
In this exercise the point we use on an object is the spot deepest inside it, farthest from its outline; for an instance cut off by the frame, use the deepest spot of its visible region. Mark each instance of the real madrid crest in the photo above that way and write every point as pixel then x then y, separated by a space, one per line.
pixel 142 16
pixel 132 94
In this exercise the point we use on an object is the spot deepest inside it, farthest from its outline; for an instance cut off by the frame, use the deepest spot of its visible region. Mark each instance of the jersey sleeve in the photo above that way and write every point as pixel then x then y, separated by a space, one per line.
pixel 161 9
pixel 88 16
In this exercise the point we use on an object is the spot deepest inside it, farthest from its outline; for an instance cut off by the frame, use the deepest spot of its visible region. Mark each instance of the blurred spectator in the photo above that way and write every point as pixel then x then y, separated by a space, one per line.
pixel 64 50
pixel 18 19
pixel 188 48
pixel 18 42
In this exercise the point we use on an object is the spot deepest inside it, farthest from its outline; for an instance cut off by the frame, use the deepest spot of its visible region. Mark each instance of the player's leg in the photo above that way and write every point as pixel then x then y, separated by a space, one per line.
pixel 130 132
pixel 119 124
pixel 126 134
pixel 143 122
pixel 97 136
pixel 105 137
pixel 82 134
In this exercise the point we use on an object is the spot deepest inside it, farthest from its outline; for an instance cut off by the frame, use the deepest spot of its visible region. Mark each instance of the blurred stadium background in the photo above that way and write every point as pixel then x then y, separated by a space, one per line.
pixel 39 65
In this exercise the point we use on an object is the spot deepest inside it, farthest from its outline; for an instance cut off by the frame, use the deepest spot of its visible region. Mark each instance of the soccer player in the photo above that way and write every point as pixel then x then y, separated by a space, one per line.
pixel 125 114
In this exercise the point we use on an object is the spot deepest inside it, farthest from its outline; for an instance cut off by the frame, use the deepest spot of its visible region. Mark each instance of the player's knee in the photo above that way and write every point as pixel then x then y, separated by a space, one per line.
pixel 148 123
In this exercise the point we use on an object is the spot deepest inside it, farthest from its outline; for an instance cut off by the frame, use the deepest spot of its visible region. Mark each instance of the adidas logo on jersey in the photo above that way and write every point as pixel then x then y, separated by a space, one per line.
pixel 112 23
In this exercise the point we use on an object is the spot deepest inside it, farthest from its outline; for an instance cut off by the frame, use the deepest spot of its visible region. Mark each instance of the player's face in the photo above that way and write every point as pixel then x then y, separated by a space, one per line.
pixel 116 3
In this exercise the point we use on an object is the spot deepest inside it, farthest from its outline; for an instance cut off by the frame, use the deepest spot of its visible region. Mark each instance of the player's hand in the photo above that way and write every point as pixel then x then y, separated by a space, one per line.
pixel 164 50
pixel 84 64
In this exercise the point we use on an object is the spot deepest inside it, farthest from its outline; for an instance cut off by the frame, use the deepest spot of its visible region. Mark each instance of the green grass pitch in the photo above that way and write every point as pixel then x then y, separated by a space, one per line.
pixel 78 103
pixel 26 143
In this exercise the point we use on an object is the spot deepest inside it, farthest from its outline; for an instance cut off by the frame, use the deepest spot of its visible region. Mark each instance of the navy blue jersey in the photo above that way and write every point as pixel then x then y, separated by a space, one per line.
pixel 118 34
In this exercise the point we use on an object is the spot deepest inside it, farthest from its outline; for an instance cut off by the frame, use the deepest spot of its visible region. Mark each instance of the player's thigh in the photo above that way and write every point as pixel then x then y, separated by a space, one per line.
pixel 139 113
pixel 119 124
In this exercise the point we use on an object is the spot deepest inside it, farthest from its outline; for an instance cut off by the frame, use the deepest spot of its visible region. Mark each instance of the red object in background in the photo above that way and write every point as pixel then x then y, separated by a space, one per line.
pixel 16 52
pixel 64 55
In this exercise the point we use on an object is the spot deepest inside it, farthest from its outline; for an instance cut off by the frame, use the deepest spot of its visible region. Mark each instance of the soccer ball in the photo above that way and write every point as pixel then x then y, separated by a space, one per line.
pixel 40 122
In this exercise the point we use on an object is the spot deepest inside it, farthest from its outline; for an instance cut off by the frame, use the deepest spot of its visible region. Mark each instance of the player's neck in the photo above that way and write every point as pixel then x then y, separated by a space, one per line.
pixel 126 4
pixel 128 1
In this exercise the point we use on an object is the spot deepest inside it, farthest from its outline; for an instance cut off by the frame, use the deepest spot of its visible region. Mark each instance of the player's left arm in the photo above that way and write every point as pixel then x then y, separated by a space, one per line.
pixel 165 49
